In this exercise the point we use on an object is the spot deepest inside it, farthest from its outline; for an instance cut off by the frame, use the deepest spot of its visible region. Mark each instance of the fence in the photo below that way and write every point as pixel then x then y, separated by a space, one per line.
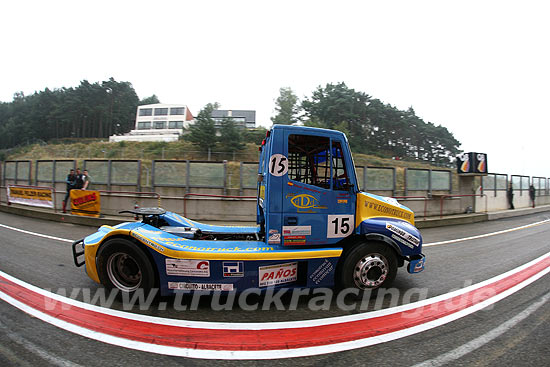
pixel 173 179
pixel 429 180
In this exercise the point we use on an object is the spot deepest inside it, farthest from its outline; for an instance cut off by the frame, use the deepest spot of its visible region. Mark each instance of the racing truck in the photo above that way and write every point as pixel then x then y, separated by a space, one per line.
pixel 314 228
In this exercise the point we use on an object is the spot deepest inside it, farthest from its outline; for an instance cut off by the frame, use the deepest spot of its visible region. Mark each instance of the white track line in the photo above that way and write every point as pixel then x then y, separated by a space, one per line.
pixel 485 338
pixel 487 234
pixel 36 234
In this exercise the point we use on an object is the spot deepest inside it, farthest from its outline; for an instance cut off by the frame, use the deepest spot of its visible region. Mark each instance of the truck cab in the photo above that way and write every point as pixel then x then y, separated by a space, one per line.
pixel 308 195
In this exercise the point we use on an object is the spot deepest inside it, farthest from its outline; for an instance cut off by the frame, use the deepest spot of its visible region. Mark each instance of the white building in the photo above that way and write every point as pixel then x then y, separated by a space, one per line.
pixel 158 122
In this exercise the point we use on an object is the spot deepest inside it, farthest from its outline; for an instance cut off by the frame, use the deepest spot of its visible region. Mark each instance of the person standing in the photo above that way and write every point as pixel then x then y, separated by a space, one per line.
pixel 532 194
pixel 510 195
pixel 79 180
pixel 87 180
pixel 71 182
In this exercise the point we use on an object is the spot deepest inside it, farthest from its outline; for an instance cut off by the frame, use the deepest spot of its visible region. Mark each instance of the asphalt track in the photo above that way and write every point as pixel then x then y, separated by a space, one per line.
pixel 512 331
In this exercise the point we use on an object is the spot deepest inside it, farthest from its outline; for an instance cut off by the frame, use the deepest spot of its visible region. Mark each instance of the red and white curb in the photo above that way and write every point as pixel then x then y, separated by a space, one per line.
pixel 212 340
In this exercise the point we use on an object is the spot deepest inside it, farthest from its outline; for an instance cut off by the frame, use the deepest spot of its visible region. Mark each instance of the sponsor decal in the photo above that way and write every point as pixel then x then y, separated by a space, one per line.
pixel 388 210
pixel 226 249
pixel 342 201
pixel 147 242
pixel 200 286
pixel 296 231
pixel 305 202
pixel 295 240
pixel 233 269
pixel 400 240
pixel 85 203
pixel 403 234
pixel 30 196
pixel 321 272
pixel 277 274
pixel 274 237
pixel 191 268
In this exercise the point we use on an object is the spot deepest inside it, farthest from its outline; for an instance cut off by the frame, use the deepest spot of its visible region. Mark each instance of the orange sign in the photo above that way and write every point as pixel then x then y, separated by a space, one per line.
pixel 86 203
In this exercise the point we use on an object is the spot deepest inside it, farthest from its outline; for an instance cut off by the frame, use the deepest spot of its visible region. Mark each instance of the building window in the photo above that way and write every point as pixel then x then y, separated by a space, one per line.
pixel 175 125
pixel 144 125
pixel 161 111
pixel 160 124
pixel 177 111
pixel 146 112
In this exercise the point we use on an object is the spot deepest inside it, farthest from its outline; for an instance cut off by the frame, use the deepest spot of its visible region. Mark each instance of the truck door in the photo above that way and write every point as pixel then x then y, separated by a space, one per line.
pixel 319 189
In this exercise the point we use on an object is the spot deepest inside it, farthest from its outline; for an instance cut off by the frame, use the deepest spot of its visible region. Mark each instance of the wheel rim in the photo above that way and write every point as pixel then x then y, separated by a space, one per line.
pixel 370 271
pixel 124 272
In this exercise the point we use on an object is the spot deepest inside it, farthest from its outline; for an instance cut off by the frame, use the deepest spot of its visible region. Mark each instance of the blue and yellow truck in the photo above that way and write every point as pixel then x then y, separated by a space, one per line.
pixel 315 228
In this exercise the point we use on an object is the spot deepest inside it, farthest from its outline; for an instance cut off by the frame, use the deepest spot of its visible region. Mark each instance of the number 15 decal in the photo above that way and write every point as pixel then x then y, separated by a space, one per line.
pixel 339 226
pixel 278 165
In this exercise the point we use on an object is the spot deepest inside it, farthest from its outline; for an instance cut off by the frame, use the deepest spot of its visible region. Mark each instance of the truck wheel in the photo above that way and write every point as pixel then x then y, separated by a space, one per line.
pixel 123 265
pixel 368 266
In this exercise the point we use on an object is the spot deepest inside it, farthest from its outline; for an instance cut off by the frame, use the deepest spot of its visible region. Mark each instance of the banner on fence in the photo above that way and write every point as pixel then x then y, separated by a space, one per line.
pixel 42 197
pixel 86 203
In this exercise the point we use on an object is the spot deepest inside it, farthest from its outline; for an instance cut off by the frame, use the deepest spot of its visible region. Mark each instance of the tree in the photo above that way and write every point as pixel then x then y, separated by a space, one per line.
pixel 91 110
pixel 231 139
pixel 339 106
pixel 255 136
pixel 287 107
pixel 149 100
pixel 203 132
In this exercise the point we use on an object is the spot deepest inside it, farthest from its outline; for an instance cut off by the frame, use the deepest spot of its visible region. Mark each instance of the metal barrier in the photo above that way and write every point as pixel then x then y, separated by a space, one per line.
pixel 443 197
pixel 211 196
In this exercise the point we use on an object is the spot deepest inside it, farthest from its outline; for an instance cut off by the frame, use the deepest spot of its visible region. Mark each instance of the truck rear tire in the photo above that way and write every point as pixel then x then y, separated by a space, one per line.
pixel 368 266
pixel 121 264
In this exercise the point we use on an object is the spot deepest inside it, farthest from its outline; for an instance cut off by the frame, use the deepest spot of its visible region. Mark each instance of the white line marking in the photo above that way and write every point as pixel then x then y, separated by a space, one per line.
pixel 487 234
pixel 36 234
pixel 424 245
pixel 485 338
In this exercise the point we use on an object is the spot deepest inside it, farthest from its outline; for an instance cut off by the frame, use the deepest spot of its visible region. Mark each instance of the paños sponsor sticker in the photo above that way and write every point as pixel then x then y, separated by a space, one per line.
pixel 277 274
pixel 191 268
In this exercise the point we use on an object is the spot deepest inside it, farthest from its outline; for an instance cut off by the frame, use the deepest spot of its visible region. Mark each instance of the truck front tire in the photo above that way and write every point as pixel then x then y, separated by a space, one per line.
pixel 368 266
pixel 123 265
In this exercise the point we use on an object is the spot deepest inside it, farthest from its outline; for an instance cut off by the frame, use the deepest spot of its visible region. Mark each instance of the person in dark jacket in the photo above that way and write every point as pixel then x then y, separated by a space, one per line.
pixel 532 194
pixel 79 180
pixel 71 182
pixel 510 195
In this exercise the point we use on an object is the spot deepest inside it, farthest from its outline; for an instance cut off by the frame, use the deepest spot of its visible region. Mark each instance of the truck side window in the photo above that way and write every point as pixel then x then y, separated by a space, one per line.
pixel 340 177
pixel 308 158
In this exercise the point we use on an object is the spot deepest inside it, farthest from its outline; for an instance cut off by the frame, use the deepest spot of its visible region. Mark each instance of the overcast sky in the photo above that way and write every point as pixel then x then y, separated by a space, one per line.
pixel 479 68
